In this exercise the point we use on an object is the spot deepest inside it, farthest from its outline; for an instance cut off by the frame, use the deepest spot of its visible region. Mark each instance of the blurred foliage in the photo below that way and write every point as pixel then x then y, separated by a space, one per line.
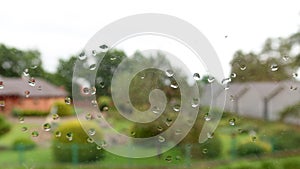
pixel 19 112
pixel 74 138
pixel 62 109
pixel 290 111
pixel 286 140
pixel 23 144
pixel 4 126
pixel 253 148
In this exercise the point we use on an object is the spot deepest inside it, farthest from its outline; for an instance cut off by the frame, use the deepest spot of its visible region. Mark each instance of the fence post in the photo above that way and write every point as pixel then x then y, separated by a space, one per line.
pixel 233 146
pixel 188 148
pixel 74 154
pixel 20 149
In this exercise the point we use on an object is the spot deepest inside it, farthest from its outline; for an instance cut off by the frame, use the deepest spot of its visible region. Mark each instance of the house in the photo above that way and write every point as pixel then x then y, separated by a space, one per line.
pixel 262 100
pixel 28 94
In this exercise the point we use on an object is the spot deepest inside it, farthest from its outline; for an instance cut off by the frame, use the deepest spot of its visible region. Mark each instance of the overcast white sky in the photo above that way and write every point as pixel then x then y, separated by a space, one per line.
pixel 61 28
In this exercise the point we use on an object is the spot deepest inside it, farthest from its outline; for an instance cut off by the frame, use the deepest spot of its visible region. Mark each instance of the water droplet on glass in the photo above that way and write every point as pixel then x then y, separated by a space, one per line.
pixel 231 121
pixel 253 138
pixel 178 132
pixel 88 116
pixel 33 66
pixel 156 110
pixel 231 98
pixel 1 85
pixel 226 81
pixel 233 75
pixel 102 84
pixel 24 129
pixel 176 108
pixel 27 93
pixel 295 75
pixel 285 57
pixel 39 88
pixel 159 128
pixel 69 136
pixel 104 109
pixel 21 119
pixel 47 126
pixel 99 148
pixel 104 48
pixel 94 103
pixel 161 139
pixel 210 135
pixel 174 85
pixel 292 88
pixel 82 56
pixel 35 134
pixel 90 140
pixel 274 67
pixel 92 67
pixel 85 90
pixel 226 87
pixel 243 67
pixel 93 90
pixel 169 159
pixel 210 79
pixel 2 103
pixel 57 134
pixel 103 143
pixel 207 117
pixel 169 73
pixel 55 116
pixel 92 132
pixel 204 151
pixel 68 100
pixel 112 58
pixel 26 72
pixel 195 102
pixel 132 133
pixel 94 52
pixel 196 76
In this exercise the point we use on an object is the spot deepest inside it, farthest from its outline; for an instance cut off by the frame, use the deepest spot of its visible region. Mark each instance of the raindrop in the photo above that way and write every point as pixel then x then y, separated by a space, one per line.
pixel 55 116
pixel 285 57
pixel 35 134
pixel 132 133
pixel 94 103
pixel 93 90
pixel 169 159
pixel 233 75
pixel 90 140
pixel 47 127
pixel 27 93
pixel 226 87
pixel 112 58
pixel 196 76
pixel 21 119
pixel 178 132
pixel 68 100
pixel 33 66
pixel 39 88
pixel 207 117
pixel 104 108
pixel 94 52
pixel 226 81
pixel 210 135
pixel 103 48
pixel 274 67
pixel 174 85
pixel 82 56
pixel 2 103
pixel 159 128
pixel 292 88
pixel 169 73
pixel 243 67
pixel 57 134
pixel 69 136
pixel 295 75
pixel 204 151
pixel 231 121
pixel 195 102
pixel 92 132
pixel 176 108
pixel 103 143
pixel 231 98
pixel 26 72
pixel 92 67
pixel 1 85
pixel 102 84
pixel 210 79
pixel 85 90
pixel 99 148
pixel 88 116
pixel 253 138
pixel 155 110
pixel 161 139
pixel 24 129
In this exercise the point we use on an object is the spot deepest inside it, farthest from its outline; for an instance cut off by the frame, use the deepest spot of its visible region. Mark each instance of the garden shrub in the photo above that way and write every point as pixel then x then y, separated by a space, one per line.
pixel 19 112
pixel 23 144
pixel 286 140
pixel 4 126
pixel 78 148
pixel 62 109
pixel 251 148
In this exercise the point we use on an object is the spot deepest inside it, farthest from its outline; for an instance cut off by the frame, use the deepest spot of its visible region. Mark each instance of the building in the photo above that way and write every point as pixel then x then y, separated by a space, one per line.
pixel 28 94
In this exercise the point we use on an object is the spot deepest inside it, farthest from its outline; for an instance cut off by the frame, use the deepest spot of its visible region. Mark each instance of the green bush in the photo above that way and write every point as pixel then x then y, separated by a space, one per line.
pixel 4 126
pixel 250 148
pixel 286 140
pixel 62 109
pixel 19 112
pixel 23 144
pixel 78 147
